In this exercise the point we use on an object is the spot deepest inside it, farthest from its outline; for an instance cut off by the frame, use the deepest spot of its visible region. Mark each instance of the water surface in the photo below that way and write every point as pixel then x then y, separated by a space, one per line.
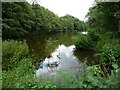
pixel 57 48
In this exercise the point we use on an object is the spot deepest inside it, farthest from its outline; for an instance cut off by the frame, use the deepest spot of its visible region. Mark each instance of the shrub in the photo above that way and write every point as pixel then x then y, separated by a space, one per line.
pixel 12 53
pixel 19 77
pixel 18 71
pixel 109 55
pixel 81 41
pixel 88 41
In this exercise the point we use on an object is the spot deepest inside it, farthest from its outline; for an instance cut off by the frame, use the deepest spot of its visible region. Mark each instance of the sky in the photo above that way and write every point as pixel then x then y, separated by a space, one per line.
pixel 76 8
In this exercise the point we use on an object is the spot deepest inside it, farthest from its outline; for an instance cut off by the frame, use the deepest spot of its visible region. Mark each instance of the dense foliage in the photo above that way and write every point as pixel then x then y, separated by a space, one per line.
pixel 17 19
pixel 18 70
pixel 103 22
pixel 109 56
pixel 21 19
pixel 87 41
pixel 71 23
pixel 13 52
pixel 102 16
pixel 22 75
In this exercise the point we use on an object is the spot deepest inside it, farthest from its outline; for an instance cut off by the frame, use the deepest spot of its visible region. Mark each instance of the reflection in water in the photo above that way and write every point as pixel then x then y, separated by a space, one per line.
pixel 86 55
pixel 56 52
pixel 42 46
pixel 61 59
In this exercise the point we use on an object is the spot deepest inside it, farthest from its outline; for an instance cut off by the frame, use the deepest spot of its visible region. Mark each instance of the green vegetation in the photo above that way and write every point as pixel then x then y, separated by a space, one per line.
pixel 71 23
pixel 18 70
pixel 109 56
pixel 88 41
pixel 103 22
pixel 89 78
pixel 104 16
pixel 22 74
pixel 23 19
pixel 13 52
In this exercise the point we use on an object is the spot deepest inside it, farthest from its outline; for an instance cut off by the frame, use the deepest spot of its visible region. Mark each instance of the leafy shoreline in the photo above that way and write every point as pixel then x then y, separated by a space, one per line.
pixel 22 19
pixel 22 74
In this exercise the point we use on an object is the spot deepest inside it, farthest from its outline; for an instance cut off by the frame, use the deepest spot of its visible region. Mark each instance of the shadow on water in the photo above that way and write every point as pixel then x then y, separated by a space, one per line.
pixel 86 55
pixel 56 52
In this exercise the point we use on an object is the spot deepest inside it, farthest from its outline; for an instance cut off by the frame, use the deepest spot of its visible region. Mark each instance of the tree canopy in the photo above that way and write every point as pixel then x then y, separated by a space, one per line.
pixel 104 16
pixel 21 19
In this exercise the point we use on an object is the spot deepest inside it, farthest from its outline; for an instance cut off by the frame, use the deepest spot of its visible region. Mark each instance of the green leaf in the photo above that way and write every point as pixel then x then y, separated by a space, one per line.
pixel 115 66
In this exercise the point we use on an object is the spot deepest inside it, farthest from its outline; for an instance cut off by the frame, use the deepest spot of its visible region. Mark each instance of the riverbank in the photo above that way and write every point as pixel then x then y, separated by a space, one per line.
pixel 90 76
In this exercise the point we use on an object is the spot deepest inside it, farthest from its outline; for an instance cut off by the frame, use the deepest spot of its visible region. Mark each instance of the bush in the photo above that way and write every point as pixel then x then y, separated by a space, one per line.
pixel 105 37
pixel 18 71
pixel 81 41
pixel 12 53
pixel 109 55
pixel 88 41
pixel 19 77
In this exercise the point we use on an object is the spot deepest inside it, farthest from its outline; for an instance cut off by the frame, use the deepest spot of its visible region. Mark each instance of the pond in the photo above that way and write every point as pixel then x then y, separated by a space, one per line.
pixel 57 52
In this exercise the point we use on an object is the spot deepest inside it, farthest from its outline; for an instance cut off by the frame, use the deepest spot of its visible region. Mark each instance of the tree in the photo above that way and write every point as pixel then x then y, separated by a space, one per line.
pixel 101 16
pixel 71 23
pixel 16 19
